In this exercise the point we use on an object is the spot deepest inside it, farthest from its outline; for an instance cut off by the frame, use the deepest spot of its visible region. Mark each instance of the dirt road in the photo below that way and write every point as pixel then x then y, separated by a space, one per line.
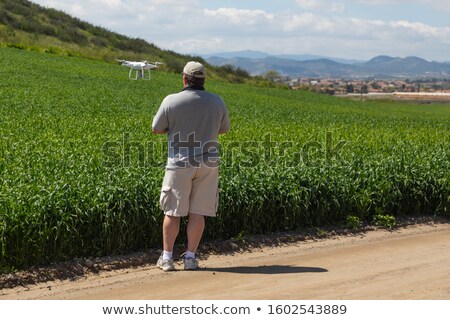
pixel 410 263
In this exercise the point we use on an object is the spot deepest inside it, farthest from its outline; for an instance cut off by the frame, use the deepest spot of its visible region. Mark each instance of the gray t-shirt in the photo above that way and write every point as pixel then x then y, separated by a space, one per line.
pixel 193 120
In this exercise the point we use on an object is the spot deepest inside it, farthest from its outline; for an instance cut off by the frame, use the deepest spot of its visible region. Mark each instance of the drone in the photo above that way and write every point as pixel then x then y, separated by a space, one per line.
pixel 139 68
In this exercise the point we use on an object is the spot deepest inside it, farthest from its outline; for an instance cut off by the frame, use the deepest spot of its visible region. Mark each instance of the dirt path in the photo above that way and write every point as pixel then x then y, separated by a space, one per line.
pixel 410 263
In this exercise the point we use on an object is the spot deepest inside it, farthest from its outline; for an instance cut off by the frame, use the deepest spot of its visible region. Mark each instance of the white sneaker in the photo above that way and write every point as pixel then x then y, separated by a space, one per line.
pixel 190 264
pixel 165 264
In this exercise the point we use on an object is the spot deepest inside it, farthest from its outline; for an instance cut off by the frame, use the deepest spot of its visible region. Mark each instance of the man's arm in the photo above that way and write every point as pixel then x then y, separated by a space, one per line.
pixel 155 131
pixel 160 124
pixel 225 124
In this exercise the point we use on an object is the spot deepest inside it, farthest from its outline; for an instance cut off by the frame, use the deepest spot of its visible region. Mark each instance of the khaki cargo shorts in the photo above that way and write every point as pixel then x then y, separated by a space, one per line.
pixel 190 190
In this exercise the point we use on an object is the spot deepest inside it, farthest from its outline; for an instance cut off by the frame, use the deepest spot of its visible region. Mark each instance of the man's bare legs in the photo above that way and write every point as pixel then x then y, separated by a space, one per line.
pixel 171 227
pixel 195 227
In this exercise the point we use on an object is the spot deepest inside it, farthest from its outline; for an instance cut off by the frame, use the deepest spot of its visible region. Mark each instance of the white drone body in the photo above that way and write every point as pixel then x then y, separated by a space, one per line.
pixel 139 68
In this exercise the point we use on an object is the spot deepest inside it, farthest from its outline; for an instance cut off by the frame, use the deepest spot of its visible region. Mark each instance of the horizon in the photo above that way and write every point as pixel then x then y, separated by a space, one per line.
pixel 343 29
pixel 317 56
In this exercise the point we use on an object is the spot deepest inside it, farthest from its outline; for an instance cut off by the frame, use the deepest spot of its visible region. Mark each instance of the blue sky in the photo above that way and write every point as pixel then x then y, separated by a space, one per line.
pixel 356 29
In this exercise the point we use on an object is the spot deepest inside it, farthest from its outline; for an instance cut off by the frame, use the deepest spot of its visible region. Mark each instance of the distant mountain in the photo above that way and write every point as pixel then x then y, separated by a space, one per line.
pixel 404 67
pixel 306 57
pixel 381 66
pixel 250 54
pixel 380 59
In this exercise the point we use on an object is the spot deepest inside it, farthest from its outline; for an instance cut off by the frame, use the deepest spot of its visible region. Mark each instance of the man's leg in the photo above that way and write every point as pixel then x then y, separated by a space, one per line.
pixel 171 227
pixel 195 227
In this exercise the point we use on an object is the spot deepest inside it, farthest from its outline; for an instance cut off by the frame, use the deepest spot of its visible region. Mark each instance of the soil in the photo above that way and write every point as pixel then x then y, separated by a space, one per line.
pixel 409 262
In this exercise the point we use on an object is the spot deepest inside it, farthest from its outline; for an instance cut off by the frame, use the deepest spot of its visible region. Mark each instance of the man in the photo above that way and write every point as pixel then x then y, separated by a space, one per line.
pixel 193 119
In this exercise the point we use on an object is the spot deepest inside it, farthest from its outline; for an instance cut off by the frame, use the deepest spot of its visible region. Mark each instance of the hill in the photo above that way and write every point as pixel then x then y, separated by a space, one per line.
pixel 27 25
pixel 406 67
pixel 295 66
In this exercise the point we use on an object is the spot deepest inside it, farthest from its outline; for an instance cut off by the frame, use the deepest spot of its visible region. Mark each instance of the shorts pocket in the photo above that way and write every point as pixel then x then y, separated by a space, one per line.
pixel 167 199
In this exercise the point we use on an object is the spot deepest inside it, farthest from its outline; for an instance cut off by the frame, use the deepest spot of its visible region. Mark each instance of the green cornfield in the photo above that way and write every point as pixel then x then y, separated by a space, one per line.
pixel 80 171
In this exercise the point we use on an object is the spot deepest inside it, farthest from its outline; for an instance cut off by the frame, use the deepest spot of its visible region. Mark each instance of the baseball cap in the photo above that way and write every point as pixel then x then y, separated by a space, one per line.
pixel 194 69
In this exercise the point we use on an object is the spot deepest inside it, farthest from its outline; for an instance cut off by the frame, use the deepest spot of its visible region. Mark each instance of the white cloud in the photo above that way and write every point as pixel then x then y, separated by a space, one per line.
pixel 309 4
pixel 340 5
pixel 196 45
pixel 366 37
pixel 436 4
pixel 309 22
pixel 422 31
pixel 312 24
pixel 240 16
pixel 113 4
pixel 312 5
pixel 379 2
pixel 350 27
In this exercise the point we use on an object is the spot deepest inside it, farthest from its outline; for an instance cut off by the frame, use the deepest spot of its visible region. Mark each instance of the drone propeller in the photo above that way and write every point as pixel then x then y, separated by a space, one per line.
pixel 156 63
